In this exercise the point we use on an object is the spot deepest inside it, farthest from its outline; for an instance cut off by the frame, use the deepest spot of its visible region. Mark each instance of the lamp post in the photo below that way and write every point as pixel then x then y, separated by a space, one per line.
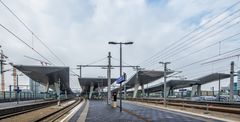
pixel 121 43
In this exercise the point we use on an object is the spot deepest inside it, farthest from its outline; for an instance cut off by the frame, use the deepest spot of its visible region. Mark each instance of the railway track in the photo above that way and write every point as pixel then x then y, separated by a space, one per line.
pixel 55 116
pixel 10 112
pixel 205 105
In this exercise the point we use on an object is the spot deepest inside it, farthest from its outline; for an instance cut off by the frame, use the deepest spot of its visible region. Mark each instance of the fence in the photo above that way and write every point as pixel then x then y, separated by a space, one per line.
pixel 6 96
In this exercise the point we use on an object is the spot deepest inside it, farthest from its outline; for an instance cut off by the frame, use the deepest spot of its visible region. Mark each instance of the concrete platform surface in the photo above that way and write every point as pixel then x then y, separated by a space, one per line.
pixel 99 111
pixel 161 115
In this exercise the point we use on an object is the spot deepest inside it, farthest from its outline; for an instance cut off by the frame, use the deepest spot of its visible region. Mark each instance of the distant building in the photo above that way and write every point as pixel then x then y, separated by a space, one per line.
pixel 235 86
pixel 238 80
pixel 35 86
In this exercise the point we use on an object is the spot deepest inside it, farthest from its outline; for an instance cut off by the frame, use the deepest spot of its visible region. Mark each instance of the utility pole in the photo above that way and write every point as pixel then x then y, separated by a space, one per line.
pixel 109 78
pixel 80 71
pixel 2 60
pixel 165 80
pixel 17 90
pixel 231 81
pixel 14 77
pixel 219 87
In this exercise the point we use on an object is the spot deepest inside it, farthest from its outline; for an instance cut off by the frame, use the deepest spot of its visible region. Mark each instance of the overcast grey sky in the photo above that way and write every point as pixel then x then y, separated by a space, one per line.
pixel 78 31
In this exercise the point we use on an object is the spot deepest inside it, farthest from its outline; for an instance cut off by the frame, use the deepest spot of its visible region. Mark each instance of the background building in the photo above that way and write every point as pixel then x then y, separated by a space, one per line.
pixel 35 86
pixel 238 80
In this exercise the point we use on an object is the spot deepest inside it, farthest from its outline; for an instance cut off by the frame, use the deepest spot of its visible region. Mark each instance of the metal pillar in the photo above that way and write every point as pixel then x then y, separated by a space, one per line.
pixel 125 90
pixel 165 81
pixel 109 78
pixel 219 87
pixel 121 76
pixel 80 71
pixel 17 90
pixel 231 81
pixel 120 43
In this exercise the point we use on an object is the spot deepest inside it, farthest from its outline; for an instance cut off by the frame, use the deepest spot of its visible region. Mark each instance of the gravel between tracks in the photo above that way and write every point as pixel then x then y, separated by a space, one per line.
pixel 34 115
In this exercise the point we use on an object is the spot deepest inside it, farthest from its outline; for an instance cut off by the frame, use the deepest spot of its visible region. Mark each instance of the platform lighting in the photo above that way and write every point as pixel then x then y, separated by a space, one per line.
pixel 121 43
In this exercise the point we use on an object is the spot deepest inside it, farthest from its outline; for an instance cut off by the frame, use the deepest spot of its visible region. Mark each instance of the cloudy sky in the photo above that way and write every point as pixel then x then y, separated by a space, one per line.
pixel 78 32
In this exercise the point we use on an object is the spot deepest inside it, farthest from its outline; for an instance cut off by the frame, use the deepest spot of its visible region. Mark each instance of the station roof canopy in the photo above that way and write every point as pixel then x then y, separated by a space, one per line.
pixel 212 77
pixel 95 81
pixel 47 75
pixel 145 76
pixel 173 84
pixel 85 83
pixel 177 84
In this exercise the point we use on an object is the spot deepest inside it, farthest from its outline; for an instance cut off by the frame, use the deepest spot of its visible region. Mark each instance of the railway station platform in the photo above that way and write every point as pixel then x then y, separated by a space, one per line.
pixel 99 111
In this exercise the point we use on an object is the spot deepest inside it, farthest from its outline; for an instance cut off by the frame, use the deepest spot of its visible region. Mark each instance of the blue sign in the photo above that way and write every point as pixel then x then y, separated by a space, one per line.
pixel 17 90
pixel 182 90
pixel 120 79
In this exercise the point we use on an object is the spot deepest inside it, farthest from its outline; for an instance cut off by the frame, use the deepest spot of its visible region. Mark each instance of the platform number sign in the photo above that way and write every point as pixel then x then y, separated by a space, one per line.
pixel 121 78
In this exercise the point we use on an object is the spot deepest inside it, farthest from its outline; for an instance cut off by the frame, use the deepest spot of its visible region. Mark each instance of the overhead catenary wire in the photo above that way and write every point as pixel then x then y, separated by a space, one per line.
pixel 98 60
pixel 25 43
pixel 116 59
pixel 224 58
pixel 208 46
pixel 31 32
pixel 196 29
pixel 199 61
pixel 197 40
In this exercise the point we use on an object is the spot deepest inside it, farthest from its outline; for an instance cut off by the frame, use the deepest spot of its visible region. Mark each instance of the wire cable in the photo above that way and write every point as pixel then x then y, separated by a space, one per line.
pixel 25 43
pixel 176 50
pixel 31 31
pixel 179 40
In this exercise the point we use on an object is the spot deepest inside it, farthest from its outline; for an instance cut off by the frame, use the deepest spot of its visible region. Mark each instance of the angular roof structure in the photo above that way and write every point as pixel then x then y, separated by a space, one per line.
pixel 85 83
pixel 174 84
pixel 47 74
pixel 177 84
pixel 145 76
pixel 212 77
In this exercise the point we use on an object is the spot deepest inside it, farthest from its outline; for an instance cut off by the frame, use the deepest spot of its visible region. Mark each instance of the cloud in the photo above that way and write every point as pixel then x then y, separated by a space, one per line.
pixel 78 30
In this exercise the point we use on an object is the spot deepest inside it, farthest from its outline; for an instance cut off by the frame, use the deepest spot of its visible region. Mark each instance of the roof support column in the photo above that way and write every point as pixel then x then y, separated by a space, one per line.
pixel 91 91
pixel 135 90
pixel 46 90
pixel 143 91
pixel 66 94
pixel 198 90
pixel 167 91
pixel 57 88
pixel 171 92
